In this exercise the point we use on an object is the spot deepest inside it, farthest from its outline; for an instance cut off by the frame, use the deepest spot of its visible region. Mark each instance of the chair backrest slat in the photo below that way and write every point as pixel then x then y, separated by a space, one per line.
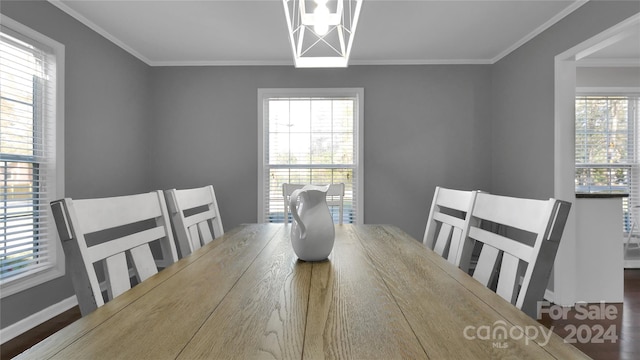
pixel 198 218
pixel 518 249
pixel 191 198
pixel 455 246
pixel 194 239
pixel 442 241
pixel 205 233
pixel 448 219
pixel 194 214
pixel 508 280
pixel 487 264
pixel 106 213
pixel 453 199
pixel 448 223
pixel 519 213
pixel 144 263
pixel 103 250
pixel 117 226
pixel 116 275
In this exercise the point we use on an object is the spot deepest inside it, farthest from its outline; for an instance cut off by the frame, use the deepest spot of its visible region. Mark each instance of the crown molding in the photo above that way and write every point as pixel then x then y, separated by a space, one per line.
pixel 423 62
pixel 559 16
pixel 223 63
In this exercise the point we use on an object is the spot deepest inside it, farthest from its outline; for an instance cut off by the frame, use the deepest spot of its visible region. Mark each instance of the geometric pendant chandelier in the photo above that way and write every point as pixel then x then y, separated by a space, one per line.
pixel 321 32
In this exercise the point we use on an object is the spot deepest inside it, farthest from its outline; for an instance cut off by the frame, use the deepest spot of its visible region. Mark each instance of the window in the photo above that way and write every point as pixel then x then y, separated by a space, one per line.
pixel 606 147
pixel 310 136
pixel 31 120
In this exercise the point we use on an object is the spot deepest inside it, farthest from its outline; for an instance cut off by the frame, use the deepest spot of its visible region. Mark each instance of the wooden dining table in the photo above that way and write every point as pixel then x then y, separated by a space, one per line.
pixel 380 295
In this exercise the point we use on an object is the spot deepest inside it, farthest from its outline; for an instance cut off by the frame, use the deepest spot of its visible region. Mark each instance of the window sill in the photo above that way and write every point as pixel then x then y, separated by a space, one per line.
pixel 21 283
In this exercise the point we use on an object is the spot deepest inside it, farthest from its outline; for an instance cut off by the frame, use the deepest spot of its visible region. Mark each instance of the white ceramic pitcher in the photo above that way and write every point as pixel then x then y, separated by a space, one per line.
pixel 312 230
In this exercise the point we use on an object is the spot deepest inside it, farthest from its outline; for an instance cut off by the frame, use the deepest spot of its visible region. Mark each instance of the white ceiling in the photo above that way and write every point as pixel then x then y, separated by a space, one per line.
pixel 253 32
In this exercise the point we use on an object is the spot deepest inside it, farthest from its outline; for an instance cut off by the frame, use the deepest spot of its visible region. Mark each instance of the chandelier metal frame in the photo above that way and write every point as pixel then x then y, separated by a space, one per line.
pixel 311 47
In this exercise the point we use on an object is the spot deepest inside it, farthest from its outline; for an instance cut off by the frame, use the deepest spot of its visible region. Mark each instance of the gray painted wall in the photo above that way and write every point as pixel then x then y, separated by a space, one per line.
pixel 523 100
pixel 423 126
pixel 608 76
pixel 106 126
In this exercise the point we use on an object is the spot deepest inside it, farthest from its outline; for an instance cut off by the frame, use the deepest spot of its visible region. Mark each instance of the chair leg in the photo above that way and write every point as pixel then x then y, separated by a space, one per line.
pixel 630 236
pixel 626 244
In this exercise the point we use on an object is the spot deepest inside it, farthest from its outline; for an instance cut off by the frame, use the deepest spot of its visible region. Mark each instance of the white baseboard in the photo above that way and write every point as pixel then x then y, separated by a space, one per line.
pixel 632 263
pixel 36 319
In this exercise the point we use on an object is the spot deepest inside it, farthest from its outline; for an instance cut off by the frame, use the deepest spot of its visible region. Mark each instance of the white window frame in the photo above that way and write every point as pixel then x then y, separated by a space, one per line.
pixel 56 266
pixel 358 93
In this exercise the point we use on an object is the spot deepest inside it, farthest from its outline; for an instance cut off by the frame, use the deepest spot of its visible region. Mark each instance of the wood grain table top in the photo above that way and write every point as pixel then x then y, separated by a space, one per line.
pixel 380 295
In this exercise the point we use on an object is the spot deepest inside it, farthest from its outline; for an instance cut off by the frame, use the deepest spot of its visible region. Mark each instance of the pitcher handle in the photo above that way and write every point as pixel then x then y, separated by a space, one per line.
pixel 293 205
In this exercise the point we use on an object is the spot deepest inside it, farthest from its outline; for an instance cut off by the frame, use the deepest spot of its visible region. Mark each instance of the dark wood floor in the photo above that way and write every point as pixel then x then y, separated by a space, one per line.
pixel 587 333
pixel 626 324
pixel 23 342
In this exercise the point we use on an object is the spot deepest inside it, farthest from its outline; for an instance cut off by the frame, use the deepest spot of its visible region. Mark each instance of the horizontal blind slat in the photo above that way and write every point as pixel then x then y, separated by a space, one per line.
pixel 25 265
pixel 30 236
pixel 27 252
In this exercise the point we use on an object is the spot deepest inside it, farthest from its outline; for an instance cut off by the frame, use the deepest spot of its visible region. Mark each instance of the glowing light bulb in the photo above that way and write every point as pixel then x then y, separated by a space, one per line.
pixel 321 14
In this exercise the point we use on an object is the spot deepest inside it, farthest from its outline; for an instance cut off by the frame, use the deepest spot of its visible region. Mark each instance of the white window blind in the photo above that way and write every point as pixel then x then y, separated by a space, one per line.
pixel 29 181
pixel 310 137
pixel 606 148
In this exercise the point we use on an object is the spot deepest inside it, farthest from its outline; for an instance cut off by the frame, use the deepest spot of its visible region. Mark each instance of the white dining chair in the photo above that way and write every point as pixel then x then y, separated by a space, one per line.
pixel 519 257
pixel 111 231
pixel 448 224
pixel 632 242
pixel 335 197
pixel 195 217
